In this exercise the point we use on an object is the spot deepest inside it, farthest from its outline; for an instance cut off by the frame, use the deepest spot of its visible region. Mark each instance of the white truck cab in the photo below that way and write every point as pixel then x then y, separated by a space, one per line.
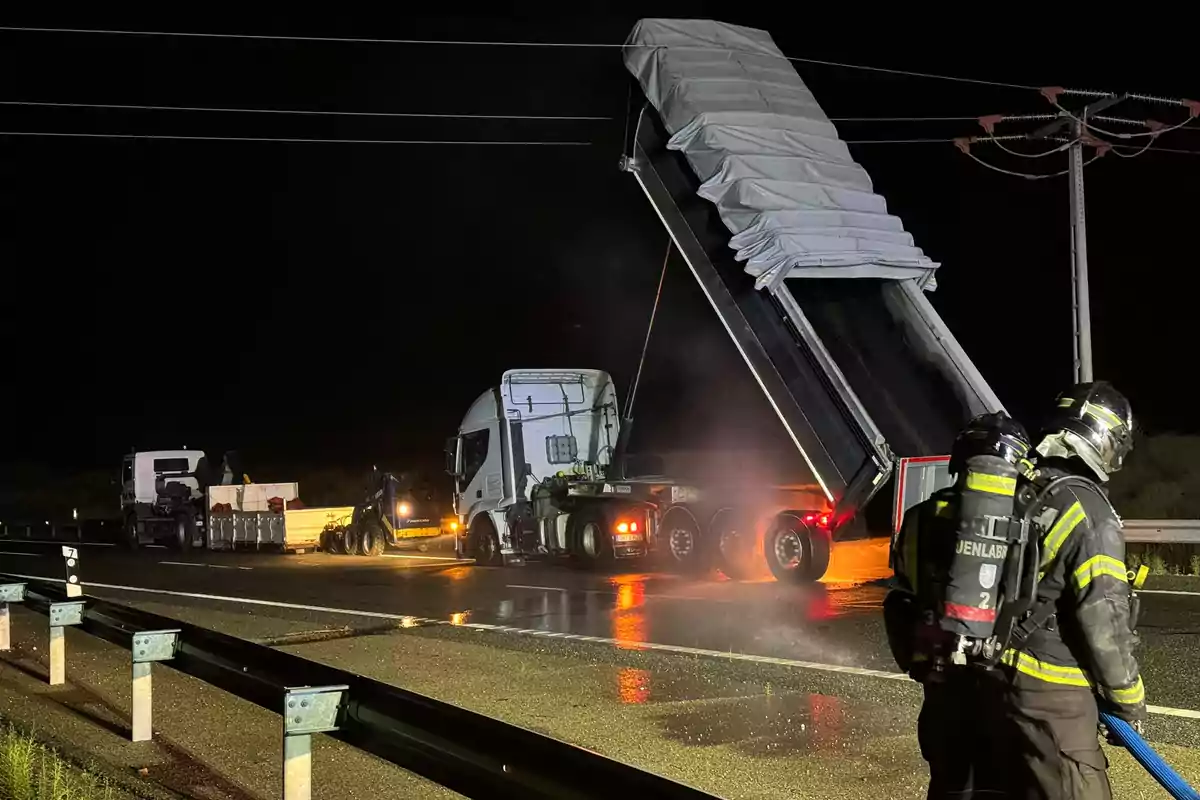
pixel 161 498
pixel 536 424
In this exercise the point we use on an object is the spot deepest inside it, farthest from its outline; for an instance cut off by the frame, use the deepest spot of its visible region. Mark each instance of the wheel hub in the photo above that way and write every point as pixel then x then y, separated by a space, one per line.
pixel 682 542
pixel 789 551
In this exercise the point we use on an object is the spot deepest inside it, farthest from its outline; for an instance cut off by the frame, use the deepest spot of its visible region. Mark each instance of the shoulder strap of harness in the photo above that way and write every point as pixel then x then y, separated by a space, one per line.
pixel 1044 610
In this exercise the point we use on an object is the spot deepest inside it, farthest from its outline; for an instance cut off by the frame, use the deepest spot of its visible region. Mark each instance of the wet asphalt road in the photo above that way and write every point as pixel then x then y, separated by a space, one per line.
pixel 837 622
pixel 735 715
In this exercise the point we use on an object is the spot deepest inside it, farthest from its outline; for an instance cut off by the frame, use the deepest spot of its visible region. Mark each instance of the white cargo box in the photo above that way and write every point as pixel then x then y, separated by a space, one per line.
pixel 253 496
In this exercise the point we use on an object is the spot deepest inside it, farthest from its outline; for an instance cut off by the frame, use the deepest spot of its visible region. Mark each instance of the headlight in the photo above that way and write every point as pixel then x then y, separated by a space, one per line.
pixel 403 510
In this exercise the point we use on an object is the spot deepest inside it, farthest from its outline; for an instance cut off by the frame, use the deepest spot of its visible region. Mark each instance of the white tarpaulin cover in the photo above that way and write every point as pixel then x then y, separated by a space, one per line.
pixel 770 160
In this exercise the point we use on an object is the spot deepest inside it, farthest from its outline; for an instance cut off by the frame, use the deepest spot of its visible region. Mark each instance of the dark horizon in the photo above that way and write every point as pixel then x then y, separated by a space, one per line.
pixel 341 305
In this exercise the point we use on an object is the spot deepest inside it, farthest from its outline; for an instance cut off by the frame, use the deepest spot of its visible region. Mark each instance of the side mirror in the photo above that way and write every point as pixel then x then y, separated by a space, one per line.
pixel 451 451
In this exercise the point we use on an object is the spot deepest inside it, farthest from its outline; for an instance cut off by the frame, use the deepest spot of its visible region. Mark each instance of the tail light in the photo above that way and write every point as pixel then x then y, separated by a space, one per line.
pixel 627 531
pixel 820 520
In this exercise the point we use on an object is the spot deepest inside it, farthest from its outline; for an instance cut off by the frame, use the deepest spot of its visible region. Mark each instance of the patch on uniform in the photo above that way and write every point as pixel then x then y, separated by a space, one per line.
pixel 987 575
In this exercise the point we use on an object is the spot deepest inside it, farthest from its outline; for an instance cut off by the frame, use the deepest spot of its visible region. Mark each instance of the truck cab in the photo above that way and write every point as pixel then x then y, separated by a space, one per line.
pixel 529 454
pixel 162 497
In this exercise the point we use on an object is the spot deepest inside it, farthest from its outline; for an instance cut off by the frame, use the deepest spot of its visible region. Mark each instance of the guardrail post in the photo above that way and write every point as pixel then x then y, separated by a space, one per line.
pixel 71 556
pixel 146 648
pixel 61 615
pixel 9 593
pixel 306 710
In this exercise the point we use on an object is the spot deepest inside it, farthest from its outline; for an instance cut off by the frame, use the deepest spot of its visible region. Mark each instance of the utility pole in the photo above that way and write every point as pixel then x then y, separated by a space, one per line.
pixel 1081 302
pixel 1080 298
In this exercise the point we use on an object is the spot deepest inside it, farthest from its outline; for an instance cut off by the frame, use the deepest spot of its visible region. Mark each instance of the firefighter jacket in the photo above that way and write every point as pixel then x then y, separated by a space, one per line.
pixel 1089 641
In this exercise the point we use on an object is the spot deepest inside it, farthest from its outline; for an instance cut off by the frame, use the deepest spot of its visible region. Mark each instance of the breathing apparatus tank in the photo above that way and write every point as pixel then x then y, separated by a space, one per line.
pixel 990 534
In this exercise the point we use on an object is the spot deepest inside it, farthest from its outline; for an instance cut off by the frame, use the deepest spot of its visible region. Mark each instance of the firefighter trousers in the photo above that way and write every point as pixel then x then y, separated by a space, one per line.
pixel 957 733
pixel 988 735
pixel 1057 753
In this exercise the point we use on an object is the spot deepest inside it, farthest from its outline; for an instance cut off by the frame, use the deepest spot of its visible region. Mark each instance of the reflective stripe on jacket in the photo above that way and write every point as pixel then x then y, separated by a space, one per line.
pixel 1088 643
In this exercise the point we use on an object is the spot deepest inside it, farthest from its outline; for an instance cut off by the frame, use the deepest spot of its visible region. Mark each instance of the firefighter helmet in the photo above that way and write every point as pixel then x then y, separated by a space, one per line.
pixel 1092 422
pixel 991 434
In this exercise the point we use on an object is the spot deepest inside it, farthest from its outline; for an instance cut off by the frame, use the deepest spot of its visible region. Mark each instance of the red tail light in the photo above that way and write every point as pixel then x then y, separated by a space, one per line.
pixel 633 527
pixel 824 521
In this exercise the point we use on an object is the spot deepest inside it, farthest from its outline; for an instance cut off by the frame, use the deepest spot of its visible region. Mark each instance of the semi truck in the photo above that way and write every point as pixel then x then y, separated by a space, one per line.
pixel 821 290
pixel 179 499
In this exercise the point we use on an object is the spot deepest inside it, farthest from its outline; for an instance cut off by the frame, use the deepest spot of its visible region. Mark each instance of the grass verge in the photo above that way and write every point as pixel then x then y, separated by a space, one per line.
pixel 31 771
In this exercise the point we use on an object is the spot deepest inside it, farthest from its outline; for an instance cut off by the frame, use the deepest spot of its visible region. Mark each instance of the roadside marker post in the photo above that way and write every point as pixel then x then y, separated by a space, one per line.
pixel 61 615
pixel 146 648
pixel 9 593
pixel 71 557
pixel 306 710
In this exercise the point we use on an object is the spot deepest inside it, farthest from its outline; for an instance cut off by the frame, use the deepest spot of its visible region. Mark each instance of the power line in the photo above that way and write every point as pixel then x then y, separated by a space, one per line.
pixel 302 111
pixel 903 119
pixel 283 38
pixel 431 115
pixel 586 45
pixel 946 140
pixel 475 43
pixel 428 115
pixel 292 140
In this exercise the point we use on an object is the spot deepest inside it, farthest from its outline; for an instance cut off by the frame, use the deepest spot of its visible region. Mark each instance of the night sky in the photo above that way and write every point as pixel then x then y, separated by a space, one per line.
pixel 342 304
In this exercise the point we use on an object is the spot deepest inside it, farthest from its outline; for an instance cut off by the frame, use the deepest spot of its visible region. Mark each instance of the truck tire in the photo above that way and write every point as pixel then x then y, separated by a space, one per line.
pixel 371 541
pixel 731 537
pixel 333 541
pixel 588 537
pixel 681 544
pixel 484 544
pixel 184 529
pixel 796 552
pixel 351 541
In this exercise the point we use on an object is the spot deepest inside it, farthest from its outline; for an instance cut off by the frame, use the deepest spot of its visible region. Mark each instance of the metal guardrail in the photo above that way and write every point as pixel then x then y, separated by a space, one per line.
pixel 1162 531
pixel 470 753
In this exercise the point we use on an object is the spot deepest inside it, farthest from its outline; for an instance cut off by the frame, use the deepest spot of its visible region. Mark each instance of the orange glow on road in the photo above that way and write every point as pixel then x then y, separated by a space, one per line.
pixel 858 561
pixel 456 573
pixel 633 686
pixel 629 620
pixel 828 718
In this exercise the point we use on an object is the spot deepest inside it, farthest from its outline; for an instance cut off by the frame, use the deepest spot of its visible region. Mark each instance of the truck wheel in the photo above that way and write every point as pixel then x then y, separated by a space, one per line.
pixel 185 532
pixel 731 534
pixel 680 540
pixel 795 551
pixel 351 542
pixel 818 562
pixel 371 542
pixel 130 533
pixel 333 541
pixel 588 537
pixel 484 543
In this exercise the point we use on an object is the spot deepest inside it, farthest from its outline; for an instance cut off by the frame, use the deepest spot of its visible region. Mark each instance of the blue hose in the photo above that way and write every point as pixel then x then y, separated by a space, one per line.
pixel 1168 778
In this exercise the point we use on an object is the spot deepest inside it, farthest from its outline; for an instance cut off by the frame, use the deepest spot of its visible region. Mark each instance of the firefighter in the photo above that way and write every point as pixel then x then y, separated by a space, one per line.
pixel 1073 651
pixel 957 697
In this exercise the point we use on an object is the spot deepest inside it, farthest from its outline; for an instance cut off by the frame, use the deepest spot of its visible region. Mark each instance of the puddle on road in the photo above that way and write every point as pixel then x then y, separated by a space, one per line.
pixel 634 686
pixel 786 724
